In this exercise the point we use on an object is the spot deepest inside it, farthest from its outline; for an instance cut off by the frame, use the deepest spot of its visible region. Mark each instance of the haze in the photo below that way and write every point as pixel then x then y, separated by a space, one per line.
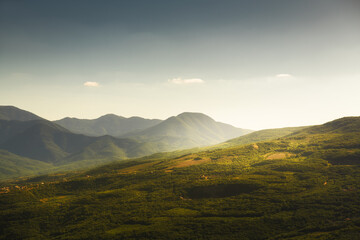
pixel 253 64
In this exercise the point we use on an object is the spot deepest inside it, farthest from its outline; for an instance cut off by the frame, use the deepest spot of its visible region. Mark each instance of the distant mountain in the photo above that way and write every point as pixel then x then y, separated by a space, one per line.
pixel 33 142
pixel 187 130
pixel 48 142
pixel 109 124
pixel 13 113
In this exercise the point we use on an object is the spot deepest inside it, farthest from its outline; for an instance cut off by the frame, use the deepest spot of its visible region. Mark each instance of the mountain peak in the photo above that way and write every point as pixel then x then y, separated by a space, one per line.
pixel 193 115
pixel 14 113
pixel 186 130
pixel 111 116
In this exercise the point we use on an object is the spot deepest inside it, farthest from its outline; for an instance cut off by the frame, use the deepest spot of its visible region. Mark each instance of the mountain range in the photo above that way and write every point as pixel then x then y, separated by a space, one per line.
pixel 74 143
pixel 289 183
pixel 14 113
pixel 109 124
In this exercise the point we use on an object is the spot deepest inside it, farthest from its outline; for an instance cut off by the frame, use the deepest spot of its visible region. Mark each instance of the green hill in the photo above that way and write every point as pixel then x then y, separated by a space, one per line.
pixel 50 143
pixel 187 130
pixel 12 165
pixel 301 186
pixel 342 125
pixel 13 113
pixel 261 135
pixel 109 124
pixel 42 140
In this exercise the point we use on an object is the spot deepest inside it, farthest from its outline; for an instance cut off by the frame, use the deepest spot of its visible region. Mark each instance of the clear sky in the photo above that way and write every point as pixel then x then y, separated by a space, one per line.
pixel 254 64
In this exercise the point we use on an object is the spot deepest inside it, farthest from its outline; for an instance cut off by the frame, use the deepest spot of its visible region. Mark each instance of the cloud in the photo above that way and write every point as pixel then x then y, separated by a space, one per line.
pixel 91 84
pixel 282 78
pixel 186 81
pixel 284 75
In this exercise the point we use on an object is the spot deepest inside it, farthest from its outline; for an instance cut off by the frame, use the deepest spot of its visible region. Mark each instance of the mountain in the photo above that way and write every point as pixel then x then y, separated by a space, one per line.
pixel 48 142
pixel 304 185
pixel 13 113
pixel 109 124
pixel 187 130
pixel 12 165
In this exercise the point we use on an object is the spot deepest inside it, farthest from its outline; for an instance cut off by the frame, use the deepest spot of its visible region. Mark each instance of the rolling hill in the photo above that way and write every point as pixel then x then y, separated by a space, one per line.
pixel 304 185
pixel 50 143
pixel 14 113
pixel 261 135
pixel 109 124
pixel 187 130
pixel 12 165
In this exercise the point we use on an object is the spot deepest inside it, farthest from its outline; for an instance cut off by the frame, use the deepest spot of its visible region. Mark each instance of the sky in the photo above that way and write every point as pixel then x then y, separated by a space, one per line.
pixel 254 64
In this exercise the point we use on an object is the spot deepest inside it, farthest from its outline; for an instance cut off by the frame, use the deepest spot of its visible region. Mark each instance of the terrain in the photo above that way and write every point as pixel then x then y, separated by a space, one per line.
pixel 187 130
pixel 304 185
pixel 28 139
pixel 109 124
pixel 14 113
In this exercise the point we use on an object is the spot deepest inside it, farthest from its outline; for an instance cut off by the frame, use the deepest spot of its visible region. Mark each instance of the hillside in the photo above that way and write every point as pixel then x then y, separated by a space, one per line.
pixel 50 143
pixel 13 113
pixel 342 125
pixel 63 149
pixel 302 186
pixel 261 135
pixel 187 130
pixel 109 124
pixel 12 165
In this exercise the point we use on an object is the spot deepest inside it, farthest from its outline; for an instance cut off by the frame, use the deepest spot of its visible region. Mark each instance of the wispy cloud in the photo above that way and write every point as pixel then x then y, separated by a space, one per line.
pixel 284 75
pixel 186 81
pixel 281 78
pixel 91 84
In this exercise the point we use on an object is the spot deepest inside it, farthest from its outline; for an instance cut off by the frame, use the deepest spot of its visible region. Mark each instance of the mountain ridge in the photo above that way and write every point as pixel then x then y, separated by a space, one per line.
pixel 109 124
pixel 187 130
pixel 302 185
pixel 14 113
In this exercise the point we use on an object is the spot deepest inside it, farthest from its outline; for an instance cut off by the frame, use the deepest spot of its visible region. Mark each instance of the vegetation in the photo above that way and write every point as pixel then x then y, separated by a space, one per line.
pixel 302 186
pixel 45 141
pixel 12 166
pixel 13 113
pixel 109 124
pixel 187 130
pixel 259 136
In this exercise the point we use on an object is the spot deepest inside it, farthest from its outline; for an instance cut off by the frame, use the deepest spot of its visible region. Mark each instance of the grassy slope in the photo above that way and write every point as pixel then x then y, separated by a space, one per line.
pixel 262 135
pixel 12 165
pixel 305 186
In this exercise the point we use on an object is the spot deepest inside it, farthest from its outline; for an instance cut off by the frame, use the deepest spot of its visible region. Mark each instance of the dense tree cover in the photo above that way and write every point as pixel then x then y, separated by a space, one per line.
pixel 305 186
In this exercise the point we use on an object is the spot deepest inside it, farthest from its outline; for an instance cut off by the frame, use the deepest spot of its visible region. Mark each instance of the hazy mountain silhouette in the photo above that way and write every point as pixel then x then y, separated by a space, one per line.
pixel 109 124
pixel 188 130
pixel 14 113
pixel 48 142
